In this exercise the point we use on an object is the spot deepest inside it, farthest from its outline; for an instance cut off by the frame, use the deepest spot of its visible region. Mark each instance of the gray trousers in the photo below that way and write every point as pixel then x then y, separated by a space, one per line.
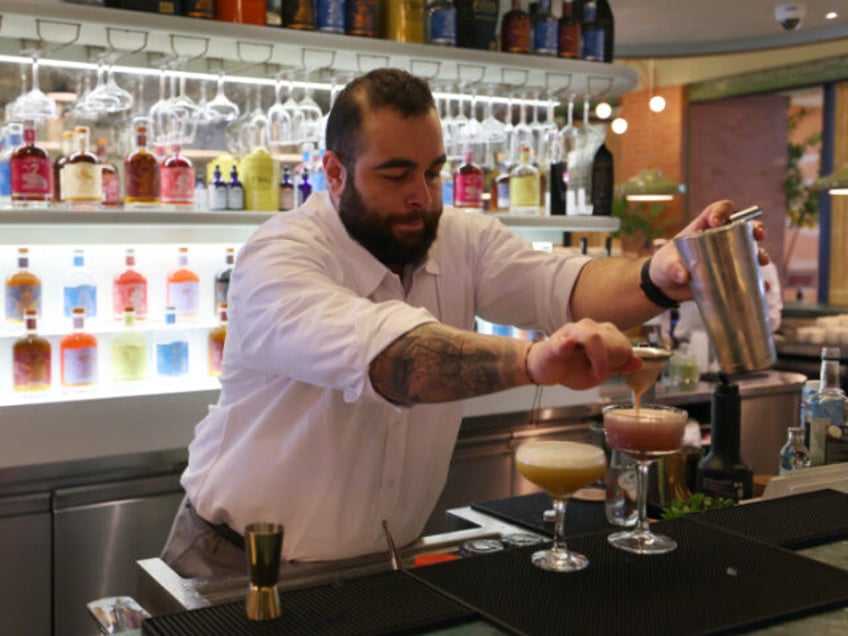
pixel 194 549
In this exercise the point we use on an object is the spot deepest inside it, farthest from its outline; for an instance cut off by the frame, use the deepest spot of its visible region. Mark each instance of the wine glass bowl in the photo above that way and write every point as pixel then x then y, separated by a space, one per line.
pixel 560 468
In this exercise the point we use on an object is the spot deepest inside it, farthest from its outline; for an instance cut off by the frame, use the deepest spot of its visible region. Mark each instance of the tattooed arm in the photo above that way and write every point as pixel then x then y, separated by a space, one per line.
pixel 437 363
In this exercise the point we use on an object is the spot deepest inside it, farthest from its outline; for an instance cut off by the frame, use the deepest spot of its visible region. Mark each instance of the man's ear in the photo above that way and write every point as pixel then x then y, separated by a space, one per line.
pixel 335 172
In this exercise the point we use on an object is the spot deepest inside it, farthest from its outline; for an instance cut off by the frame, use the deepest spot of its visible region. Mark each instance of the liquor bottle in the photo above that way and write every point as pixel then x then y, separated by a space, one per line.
pixel 241 11
pixel 23 290
pixel 177 179
pixel 602 178
pixel 794 454
pixel 722 473
pixel 568 31
pixel 299 14
pixel 59 163
pixel 129 350
pixel 129 289
pixel 217 336
pixel 217 191
pixel 477 24
pixel 79 288
pixel 235 191
pixel 525 187
pixel 516 33
pixel 360 18
pixel 607 24
pixel 183 288
pixel 31 171
pixel 826 413
pixel 330 16
pixel 82 177
pixel 441 22
pixel 171 348
pixel 468 183
pixel 404 21
pixel 110 178
pixel 222 278
pixel 304 188
pixel 78 353
pixel 5 169
pixel 258 174
pixel 141 170
pixel 545 29
pixel 201 198
pixel 500 187
pixel 199 9
pixel 286 191
pixel 591 33
pixel 31 361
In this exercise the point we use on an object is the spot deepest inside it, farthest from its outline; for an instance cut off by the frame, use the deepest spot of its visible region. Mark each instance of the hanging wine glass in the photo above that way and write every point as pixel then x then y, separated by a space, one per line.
pixel 157 110
pixel 460 121
pixel 124 99
pixel 311 115
pixel 522 133
pixel 473 131
pixel 279 120
pixel 34 104
pixel 446 119
pixel 220 109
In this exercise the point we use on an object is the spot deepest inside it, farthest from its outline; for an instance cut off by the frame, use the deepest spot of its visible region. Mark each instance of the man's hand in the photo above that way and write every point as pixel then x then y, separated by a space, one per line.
pixel 667 269
pixel 581 355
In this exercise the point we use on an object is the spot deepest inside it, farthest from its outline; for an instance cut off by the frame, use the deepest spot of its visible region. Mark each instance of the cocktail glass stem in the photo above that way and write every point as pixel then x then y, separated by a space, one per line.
pixel 642 497
pixel 559 548
pixel 558 558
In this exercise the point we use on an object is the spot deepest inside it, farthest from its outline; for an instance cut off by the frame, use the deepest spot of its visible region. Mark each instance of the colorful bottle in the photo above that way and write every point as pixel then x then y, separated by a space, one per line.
pixel 525 187
pixel 171 348
pixel 241 11
pixel 258 174
pixel 177 179
pixel 141 171
pixel 468 183
pixel 78 353
pixel 330 16
pixel 129 350
pixel 299 14
pixel 217 191
pixel 441 22
pixel 826 413
pixel 59 163
pixel 597 31
pixel 5 169
pixel 79 288
pixel 447 183
pixel 286 191
pixel 360 18
pixel 222 278
pixel 568 31
pixel 23 290
pixel 31 171
pixel 403 21
pixel 31 360
pixel 217 336
pixel 516 32
pixel 235 191
pixel 199 9
pixel 499 199
pixel 129 289
pixel 82 176
pixel 545 29
pixel 304 188
pixel 183 288
pixel 794 454
pixel 110 178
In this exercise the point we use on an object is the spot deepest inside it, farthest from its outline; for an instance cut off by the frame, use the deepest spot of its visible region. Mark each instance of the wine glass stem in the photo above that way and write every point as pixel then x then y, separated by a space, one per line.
pixel 642 495
pixel 559 546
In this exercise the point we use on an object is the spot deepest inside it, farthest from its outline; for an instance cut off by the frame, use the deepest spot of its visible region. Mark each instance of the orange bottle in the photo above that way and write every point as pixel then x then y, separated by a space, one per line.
pixel 217 336
pixel 241 11
pixel 183 289
pixel 78 353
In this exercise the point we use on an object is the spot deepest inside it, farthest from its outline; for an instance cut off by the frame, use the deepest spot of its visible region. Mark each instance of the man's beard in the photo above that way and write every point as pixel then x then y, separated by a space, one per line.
pixel 374 232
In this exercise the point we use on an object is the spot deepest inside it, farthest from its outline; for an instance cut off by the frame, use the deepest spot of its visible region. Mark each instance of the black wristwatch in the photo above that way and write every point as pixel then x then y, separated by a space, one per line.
pixel 651 291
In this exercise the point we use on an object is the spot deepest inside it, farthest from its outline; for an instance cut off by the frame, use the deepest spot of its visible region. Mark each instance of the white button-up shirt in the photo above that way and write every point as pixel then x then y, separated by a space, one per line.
pixel 299 436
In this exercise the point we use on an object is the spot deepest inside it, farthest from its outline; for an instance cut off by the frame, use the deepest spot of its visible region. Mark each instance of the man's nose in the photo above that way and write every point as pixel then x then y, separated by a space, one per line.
pixel 420 194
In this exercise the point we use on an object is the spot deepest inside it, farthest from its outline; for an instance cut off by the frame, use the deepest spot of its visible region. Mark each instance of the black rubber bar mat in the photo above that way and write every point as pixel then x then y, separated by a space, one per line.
pixel 388 603
pixel 581 517
pixel 715 582
pixel 798 521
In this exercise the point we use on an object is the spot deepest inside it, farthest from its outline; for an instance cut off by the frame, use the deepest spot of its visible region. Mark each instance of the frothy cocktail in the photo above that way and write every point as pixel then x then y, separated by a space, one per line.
pixel 646 433
pixel 560 467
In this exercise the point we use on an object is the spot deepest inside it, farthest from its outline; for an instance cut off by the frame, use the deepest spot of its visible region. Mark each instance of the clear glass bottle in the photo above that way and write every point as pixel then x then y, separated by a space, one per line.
pixel 31 171
pixel 78 353
pixel 217 337
pixel 620 481
pixel 826 413
pixel 794 454
pixel 441 22
pixel 545 30
pixel 525 187
pixel 23 290
pixel 129 289
pixel 31 359
pixel 129 350
pixel 82 175
pixel 79 287
pixel 171 348
pixel 141 171
pixel 217 191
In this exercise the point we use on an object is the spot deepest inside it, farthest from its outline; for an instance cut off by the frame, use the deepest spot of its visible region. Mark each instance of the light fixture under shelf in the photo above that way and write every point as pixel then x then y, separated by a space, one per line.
pixel 649 185
pixel 836 183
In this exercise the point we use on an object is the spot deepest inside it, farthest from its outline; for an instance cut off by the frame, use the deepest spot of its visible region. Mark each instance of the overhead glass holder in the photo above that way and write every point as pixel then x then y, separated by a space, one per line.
pixel 470 74
pixel 114 55
pixel 367 62
pixel 69 30
pixel 425 69
pixel 515 77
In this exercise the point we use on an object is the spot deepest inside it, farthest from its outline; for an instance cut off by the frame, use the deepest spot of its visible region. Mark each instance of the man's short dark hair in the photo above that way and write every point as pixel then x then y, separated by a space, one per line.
pixel 381 88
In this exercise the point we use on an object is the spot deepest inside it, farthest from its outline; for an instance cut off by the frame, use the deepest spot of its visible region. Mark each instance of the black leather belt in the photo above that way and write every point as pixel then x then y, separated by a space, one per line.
pixel 221 529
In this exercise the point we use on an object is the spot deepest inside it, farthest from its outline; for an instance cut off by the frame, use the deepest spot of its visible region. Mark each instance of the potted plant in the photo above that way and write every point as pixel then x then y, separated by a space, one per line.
pixel 641 222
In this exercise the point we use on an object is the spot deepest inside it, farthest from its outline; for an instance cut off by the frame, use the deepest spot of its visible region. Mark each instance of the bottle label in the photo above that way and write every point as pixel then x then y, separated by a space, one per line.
pixel 286 199
pixel 405 20
pixel 235 198
pixel 718 487
pixel 359 17
pixel 142 181
pixel 31 176
pixel 468 190
pixel 178 184
pixel 31 367
pixel 222 287
pixel 82 182
pixel 260 187
pixel 79 366
pixel 19 298
pixel 111 188
pixel 524 192
pixel 81 296
pixel 836 444
pixel 503 194
pixel 297 14
pixel 5 179
pixel 218 197
pixel 129 359
pixel 172 358
pixel 443 26
pixel 184 297
pixel 545 34
pixel 593 45
pixel 130 295
pixel 330 16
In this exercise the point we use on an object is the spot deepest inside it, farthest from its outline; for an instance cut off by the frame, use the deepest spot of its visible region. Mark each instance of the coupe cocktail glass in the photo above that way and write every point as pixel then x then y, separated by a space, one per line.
pixel 560 468
pixel 645 434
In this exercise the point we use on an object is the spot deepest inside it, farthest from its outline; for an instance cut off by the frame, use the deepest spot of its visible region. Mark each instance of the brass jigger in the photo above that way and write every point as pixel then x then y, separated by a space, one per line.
pixel 653 361
pixel 263 542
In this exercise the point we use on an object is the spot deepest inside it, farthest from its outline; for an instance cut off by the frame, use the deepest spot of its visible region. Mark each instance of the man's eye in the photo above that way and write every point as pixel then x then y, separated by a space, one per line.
pixel 394 176
pixel 433 176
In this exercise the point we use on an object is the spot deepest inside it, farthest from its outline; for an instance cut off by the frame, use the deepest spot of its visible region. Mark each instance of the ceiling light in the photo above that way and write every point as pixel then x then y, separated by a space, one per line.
pixel 649 185
pixel 603 110
pixel 619 125
pixel 657 103
pixel 831 15
pixel 836 182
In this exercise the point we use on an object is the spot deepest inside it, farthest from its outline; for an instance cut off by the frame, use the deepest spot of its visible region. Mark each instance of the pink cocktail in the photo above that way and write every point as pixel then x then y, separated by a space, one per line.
pixel 649 432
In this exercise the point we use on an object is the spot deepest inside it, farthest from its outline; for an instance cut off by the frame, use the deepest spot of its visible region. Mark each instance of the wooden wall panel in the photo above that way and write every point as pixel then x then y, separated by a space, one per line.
pixel 838 290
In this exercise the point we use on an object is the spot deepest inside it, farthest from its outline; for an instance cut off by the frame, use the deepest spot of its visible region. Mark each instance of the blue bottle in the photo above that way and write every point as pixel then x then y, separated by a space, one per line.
pixel 171 348
pixel 330 16
pixel 304 188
